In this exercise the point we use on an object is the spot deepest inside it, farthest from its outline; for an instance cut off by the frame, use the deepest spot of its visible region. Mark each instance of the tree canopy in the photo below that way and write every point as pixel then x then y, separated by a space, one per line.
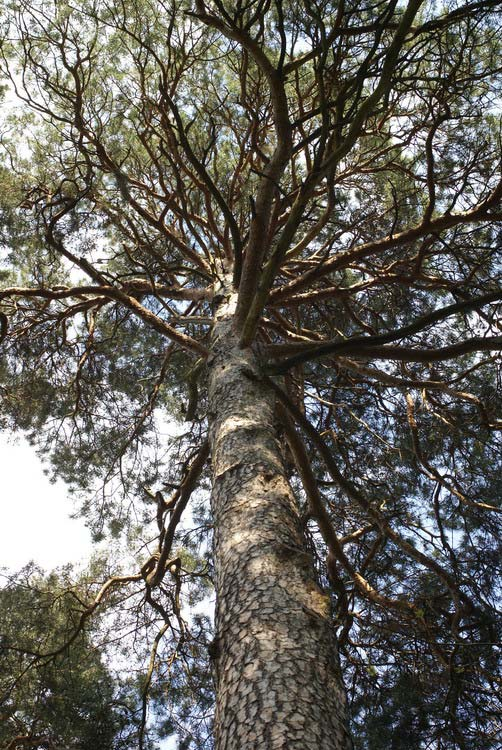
pixel 56 689
pixel 340 162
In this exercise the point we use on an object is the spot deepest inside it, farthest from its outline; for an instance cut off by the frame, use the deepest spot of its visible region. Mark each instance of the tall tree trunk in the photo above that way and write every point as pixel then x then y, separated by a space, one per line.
pixel 278 683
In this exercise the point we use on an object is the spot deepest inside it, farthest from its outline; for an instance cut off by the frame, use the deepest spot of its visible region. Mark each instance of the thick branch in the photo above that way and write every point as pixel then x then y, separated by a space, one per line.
pixel 409 354
pixel 371 345
pixel 435 226
pixel 326 527
pixel 354 493
pixel 283 243
pixel 454 16
pixel 256 245
pixel 3 326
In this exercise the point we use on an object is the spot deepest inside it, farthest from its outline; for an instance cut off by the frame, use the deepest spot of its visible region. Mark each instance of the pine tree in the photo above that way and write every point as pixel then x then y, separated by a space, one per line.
pixel 56 690
pixel 278 223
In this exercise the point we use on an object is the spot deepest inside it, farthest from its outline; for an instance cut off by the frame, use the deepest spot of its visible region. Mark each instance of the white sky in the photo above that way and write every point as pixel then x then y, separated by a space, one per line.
pixel 35 521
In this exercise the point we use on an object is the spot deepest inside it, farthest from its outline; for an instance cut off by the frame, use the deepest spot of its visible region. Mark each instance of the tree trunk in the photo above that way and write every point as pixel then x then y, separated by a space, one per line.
pixel 278 683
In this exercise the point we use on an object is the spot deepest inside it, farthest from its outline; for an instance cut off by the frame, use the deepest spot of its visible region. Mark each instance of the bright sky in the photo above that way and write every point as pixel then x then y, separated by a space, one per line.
pixel 34 513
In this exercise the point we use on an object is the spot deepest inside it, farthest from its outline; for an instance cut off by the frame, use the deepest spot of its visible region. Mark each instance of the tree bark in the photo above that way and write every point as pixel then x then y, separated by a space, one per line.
pixel 278 682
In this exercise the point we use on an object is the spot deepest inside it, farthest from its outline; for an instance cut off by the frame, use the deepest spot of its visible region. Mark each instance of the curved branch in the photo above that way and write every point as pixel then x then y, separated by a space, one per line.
pixel 89 610
pixel 256 304
pixel 392 381
pixel 355 494
pixel 431 470
pixel 326 527
pixel 398 353
pixel 434 226
pixel 146 686
pixel 120 295
pixel 178 502
pixel 409 354
pixel 454 16
pixel 130 286
pixel 247 276
pixel 204 174
pixel 371 344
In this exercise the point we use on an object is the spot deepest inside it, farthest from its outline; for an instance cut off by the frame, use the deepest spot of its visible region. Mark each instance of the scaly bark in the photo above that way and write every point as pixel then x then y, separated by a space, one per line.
pixel 278 683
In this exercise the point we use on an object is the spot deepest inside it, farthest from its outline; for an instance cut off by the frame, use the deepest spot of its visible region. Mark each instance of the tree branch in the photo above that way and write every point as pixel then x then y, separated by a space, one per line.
pixel 178 502
pixel 256 304
pixel 113 292
pixel 435 226
pixel 371 345
pixel 356 495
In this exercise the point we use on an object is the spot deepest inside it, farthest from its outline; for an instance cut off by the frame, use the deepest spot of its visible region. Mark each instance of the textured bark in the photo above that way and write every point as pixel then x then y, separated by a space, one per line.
pixel 277 675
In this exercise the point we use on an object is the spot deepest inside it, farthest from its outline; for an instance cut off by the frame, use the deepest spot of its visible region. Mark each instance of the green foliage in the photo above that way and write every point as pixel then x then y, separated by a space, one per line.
pixel 56 688
pixel 135 173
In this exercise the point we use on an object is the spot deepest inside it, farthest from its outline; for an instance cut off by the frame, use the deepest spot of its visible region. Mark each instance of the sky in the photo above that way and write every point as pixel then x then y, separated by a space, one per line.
pixel 35 521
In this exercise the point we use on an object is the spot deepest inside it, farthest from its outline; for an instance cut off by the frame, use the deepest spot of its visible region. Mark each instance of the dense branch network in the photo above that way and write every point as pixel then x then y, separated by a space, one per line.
pixel 342 163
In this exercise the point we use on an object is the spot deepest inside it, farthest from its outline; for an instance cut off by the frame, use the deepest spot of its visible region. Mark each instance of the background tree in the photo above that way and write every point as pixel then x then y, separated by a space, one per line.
pixel 279 222
pixel 56 690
